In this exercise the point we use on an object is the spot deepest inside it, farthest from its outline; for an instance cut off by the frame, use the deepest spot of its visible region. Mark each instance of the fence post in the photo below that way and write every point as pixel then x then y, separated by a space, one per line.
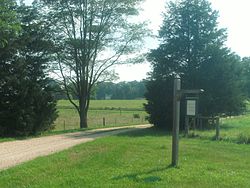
pixel 103 121
pixel 186 125
pixel 217 124
pixel 64 125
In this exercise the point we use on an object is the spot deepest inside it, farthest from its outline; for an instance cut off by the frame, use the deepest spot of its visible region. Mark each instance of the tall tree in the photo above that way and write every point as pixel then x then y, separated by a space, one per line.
pixel 192 46
pixel 90 37
pixel 27 106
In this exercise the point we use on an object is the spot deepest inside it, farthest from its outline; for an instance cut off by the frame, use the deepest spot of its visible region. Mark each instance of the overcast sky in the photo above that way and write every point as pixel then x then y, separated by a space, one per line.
pixel 234 15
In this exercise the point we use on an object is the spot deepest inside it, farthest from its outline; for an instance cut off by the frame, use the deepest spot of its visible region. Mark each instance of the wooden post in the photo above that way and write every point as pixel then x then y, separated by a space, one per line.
pixel 186 125
pixel 103 121
pixel 201 123
pixel 176 120
pixel 217 129
pixel 64 125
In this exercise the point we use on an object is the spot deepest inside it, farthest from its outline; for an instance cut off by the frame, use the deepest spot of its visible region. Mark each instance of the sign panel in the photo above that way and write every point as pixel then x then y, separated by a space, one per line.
pixel 191 107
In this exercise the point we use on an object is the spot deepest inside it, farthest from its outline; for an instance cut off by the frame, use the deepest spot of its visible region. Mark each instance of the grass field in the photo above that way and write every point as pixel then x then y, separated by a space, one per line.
pixel 139 159
pixel 235 129
pixel 115 113
pixel 108 104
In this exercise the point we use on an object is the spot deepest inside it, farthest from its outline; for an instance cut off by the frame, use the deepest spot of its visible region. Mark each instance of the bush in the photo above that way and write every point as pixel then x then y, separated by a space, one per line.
pixel 27 106
pixel 159 107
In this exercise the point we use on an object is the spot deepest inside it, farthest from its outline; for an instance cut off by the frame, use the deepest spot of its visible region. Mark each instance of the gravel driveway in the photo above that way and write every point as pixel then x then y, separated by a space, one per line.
pixel 16 152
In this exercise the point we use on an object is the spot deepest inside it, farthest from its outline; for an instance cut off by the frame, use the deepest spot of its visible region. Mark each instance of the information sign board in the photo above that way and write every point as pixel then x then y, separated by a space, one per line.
pixel 191 107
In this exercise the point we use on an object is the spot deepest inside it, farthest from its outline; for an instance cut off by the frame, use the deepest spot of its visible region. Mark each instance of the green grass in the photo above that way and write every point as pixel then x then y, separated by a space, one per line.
pixel 108 104
pixel 115 112
pixel 235 129
pixel 138 159
pixel 6 139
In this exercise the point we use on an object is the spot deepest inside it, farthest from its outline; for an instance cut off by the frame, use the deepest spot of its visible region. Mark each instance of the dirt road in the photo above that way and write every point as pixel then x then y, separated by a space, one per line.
pixel 16 152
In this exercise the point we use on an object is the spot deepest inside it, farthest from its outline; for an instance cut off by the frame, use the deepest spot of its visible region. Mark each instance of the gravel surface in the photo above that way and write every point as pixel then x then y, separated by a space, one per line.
pixel 16 152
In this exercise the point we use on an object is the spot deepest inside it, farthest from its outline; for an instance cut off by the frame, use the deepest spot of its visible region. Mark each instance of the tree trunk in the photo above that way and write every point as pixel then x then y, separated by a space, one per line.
pixel 83 120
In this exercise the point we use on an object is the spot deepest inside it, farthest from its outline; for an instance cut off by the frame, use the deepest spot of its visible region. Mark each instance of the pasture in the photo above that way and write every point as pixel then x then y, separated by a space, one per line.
pixel 113 112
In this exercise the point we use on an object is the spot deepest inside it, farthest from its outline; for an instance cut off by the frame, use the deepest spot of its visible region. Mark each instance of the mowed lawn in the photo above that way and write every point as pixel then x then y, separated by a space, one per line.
pixel 113 112
pixel 137 159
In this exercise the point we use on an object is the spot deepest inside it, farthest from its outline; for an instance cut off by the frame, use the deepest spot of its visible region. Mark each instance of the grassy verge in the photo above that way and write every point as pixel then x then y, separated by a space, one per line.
pixel 7 139
pixel 235 129
pixel 138 159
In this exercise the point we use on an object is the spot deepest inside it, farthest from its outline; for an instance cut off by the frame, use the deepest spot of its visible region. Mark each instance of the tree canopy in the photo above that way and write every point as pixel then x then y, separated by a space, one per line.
pixel 27 106
pixel 192 46
pixel 90 37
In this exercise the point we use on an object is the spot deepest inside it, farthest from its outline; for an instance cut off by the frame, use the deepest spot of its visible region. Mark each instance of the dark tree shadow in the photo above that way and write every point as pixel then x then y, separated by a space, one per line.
pixel 124 132
pixel 139 132
pixel 149 179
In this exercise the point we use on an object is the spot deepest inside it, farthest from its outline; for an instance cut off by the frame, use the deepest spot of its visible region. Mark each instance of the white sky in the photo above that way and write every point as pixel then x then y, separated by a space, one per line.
pixel 234 15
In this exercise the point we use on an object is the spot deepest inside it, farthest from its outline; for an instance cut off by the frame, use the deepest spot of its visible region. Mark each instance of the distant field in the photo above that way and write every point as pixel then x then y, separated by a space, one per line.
pixel 113 112
pixel 140 159
pixel 108 104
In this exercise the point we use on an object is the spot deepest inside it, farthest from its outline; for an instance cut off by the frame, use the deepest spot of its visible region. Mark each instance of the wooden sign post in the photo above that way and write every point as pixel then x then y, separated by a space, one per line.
pixel 176 121
pixel 176 115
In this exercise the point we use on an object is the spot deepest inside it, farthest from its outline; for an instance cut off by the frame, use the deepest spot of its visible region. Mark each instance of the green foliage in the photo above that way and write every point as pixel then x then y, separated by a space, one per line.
pixel 193 47
pixel 9 25
pixel 27 106
pixel 121 90
pixel 136 159
pixel 246 75
pixel 159 104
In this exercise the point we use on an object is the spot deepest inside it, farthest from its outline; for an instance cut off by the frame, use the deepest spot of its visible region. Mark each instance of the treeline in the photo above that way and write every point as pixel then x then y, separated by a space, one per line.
pixel 121 90
pixel 107 90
